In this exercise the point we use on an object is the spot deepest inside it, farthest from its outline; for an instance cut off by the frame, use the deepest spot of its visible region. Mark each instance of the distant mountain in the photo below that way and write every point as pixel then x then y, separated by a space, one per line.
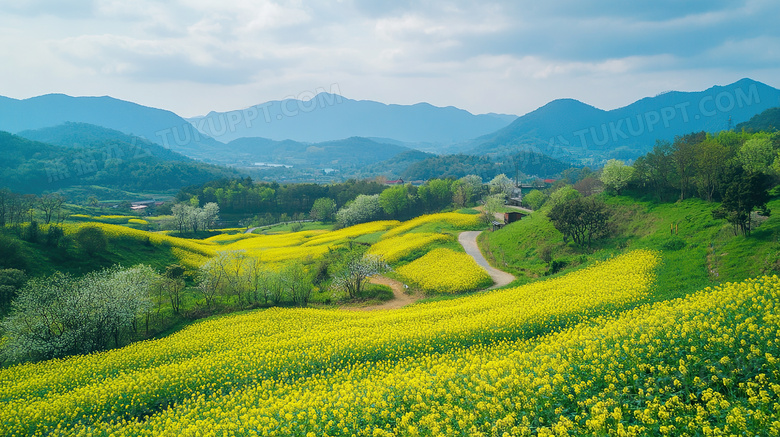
pixel 156 125
pixel 338 154
pixel 84 135
pixel 576 132
pixel 35 167
pixel 767 121
pixel 329 117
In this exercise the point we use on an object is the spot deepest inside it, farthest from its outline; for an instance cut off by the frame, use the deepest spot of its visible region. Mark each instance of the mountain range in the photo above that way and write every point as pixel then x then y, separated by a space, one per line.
pixel 573 131
pixel 330 130
pixel 328 117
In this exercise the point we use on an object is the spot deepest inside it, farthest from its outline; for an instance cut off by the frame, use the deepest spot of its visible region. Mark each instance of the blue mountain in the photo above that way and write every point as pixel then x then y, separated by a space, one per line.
pixel 574 131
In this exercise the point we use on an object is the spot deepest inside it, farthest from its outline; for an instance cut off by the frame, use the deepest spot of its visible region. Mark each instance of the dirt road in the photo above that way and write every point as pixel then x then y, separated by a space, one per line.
pixel 469 242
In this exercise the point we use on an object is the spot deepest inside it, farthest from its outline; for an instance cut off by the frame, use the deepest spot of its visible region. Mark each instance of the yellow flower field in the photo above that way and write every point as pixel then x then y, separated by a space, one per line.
pixel 446 271
pixel 396 248
pixel 453 218
pixel 457 367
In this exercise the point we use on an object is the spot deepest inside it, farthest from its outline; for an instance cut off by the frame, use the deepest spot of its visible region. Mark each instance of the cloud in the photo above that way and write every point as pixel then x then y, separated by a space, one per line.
pixel 393 49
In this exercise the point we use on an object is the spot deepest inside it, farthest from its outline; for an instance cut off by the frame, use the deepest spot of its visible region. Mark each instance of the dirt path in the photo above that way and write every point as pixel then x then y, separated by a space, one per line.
pixel 400 298
pixel 469 242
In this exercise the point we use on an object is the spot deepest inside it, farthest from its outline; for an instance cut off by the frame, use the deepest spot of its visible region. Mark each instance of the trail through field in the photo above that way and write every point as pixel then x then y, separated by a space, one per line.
pixel 468 240
pixel 400 298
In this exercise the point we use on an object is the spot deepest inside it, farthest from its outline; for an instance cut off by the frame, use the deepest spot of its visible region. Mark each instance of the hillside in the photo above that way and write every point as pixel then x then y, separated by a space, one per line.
pixel 576 132
pixel 35 167
pixel 577 353
pixel 89 136
pixel 704 253
pixel 767 121
pixel 328 117
pixel 156 125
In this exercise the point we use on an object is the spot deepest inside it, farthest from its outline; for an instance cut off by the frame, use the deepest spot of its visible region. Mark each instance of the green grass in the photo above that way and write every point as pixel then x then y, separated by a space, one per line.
pixel 703 252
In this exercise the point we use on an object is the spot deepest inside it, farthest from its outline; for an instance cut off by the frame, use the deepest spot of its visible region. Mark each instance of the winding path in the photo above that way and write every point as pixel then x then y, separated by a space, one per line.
pixel 400 298
pixel 468 240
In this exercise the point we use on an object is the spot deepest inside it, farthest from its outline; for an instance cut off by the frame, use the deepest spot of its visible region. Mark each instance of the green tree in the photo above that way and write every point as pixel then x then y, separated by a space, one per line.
pixel 91 239
pixel 757 154
pixel 616 175
pixel 323 210
pixel 563 195
pixel 535 199
pixel 394 200
pixel 581 219
pixel 745 192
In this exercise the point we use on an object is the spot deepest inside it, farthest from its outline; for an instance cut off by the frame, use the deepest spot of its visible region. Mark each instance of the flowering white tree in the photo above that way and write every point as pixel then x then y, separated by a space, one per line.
pixel 354 272
pixel 60 315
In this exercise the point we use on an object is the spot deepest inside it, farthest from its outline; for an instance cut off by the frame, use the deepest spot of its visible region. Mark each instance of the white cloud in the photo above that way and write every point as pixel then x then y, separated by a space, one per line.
pixel 506 56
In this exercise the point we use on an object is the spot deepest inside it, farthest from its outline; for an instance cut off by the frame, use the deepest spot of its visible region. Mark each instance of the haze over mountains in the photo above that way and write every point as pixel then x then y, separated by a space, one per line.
pixel 332 131
pixel 328 117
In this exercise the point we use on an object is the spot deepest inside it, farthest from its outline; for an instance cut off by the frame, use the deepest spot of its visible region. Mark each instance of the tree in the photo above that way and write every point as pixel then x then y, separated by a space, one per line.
pixel 11 280
pixel 466 189
pixel 60 315
pixel 323 210
pixel 655 169
pixel 684 159
pixel 361 210
pixel 493 205
pixel 757 154
pixel 51 206
pixel 298 282
pixel 710 162
pixel 745 192
pixel 173 284
pixel 394 200
pixel 616 175
pixel 91 239
pixel 563 195
pixel 502 185
pixel 435 194
pixel 210 214
pixel 352 274
pixel 581 219
pixel 534 200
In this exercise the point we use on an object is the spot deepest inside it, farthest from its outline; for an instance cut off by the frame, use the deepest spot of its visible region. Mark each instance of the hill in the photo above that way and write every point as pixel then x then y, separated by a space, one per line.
pixel 328 117
pixel 89 136
pixel 767 121
pixel 35 167
pixel 576 132
pixel 156 125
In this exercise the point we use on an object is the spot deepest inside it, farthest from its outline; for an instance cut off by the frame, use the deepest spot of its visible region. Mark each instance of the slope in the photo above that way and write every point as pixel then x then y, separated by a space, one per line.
pixel 35 167
pixel 156 125
pixel 84 135
pixel 571 130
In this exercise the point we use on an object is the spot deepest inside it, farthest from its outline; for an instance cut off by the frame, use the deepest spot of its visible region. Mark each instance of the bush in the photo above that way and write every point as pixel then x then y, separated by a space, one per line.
pixel 91 240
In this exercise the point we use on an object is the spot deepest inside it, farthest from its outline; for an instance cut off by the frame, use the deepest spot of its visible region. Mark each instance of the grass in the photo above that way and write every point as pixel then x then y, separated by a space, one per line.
pixel 703 251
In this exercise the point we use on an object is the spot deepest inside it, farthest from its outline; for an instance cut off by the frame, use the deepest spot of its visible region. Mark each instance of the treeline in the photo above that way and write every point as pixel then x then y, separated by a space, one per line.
pixel 705 165
pixel 351 202
pixel 247 197
pixel 458 166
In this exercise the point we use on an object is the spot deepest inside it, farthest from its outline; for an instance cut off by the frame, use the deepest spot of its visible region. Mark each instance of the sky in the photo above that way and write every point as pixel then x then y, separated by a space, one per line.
pixel 195 56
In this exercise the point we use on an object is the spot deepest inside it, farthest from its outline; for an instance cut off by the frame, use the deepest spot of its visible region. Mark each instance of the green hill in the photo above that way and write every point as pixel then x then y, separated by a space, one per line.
pixel 35 167
pixel 702 253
